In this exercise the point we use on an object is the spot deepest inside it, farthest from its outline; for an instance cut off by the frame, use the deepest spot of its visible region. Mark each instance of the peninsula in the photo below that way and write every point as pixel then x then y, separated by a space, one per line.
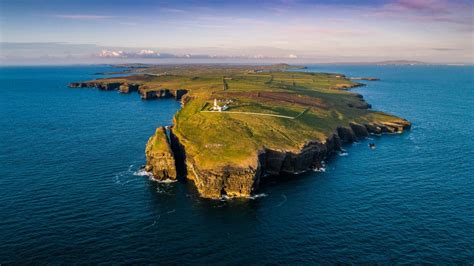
pixel 240 123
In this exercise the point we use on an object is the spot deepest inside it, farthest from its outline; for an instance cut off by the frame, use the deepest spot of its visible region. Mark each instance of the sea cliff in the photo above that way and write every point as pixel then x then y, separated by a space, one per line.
pixel 244 181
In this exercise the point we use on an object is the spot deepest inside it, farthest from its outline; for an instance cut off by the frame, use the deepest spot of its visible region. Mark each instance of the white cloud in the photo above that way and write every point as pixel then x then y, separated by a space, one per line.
pixel 148 53
pixel 122 54
pixel 111 54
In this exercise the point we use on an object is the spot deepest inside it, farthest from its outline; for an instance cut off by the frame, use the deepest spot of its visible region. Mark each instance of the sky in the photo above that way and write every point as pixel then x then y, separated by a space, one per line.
pixel 88 31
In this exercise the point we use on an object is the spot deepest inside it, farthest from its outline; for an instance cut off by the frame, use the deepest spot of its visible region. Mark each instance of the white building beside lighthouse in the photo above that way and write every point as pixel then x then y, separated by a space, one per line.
pixel 218 108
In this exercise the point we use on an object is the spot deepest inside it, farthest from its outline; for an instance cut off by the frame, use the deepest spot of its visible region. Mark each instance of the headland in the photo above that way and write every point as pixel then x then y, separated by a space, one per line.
pixel 238 124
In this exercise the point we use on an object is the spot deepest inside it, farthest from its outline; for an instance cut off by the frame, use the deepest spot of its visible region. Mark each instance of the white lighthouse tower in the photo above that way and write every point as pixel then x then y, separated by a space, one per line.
pixel 218 108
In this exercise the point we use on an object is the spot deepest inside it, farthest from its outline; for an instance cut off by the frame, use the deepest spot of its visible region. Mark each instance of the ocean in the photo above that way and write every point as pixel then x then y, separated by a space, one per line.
pixel 71 190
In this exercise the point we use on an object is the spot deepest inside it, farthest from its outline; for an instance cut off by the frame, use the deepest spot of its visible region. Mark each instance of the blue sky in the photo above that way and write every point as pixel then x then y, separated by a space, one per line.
pixel 318 31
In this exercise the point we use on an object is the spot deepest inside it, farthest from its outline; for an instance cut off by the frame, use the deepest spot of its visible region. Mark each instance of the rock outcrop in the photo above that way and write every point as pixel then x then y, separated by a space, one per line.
pixel 359 130
pixel 89 84
pixel 228 181
pixel 365 78
pixel 348 86
pixel 127 88
pixel 147 94
pixel 160 157
pixel 97 84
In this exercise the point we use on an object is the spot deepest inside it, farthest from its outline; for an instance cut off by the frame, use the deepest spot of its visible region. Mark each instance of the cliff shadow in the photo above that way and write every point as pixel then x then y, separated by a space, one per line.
pixel 179 156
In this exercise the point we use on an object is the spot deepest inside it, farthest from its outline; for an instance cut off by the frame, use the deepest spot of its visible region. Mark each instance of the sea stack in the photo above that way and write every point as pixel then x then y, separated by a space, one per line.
pixel 160 157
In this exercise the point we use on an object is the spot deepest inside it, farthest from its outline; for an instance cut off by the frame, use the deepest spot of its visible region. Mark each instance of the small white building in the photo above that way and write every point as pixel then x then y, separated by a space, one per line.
pixel 217 107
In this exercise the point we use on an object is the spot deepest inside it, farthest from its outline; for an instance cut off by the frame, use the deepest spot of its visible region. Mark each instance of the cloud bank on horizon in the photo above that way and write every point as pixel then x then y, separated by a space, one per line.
pixel 88 31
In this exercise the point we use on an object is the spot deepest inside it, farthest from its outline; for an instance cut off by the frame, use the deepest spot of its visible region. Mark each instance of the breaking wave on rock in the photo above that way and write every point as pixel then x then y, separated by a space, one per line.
pixel 256 196
pixel 253 197
pixel 319 169
pixel 142 172
pixel 166 181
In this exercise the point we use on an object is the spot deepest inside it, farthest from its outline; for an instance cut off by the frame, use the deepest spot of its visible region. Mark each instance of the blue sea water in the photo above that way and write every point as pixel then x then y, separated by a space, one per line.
pixel 71 192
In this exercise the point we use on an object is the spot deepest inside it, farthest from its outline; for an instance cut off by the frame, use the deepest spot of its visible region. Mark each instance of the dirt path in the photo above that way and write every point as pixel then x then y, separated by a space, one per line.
pixel 250 113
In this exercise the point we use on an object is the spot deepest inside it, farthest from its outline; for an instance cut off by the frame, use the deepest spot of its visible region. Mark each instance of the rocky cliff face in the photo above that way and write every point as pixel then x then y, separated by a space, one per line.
pixel 215 183
pixel 228 181
pixel 146 93
pixel 99 85
pixel 127 88
pixel 160 157
pixel 242 182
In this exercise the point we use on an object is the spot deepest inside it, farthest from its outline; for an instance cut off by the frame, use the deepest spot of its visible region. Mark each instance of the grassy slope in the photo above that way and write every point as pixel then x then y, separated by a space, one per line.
pixel 219 139
pixel 159 141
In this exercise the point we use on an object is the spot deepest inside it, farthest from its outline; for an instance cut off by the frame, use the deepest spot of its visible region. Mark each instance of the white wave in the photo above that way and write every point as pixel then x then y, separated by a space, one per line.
pixel 142 172
pixel 343 154
pixel 256 196
pixel 299 172
pixel 119 178
pixel 166 181
pixel 224 198
pixel 319 169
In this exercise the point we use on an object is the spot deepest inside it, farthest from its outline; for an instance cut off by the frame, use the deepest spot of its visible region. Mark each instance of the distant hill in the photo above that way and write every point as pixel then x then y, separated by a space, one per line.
pixel 400 62
pixel 385 63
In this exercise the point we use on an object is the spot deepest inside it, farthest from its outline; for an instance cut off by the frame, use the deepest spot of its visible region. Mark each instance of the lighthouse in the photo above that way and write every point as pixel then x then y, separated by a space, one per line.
pixel 218 108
